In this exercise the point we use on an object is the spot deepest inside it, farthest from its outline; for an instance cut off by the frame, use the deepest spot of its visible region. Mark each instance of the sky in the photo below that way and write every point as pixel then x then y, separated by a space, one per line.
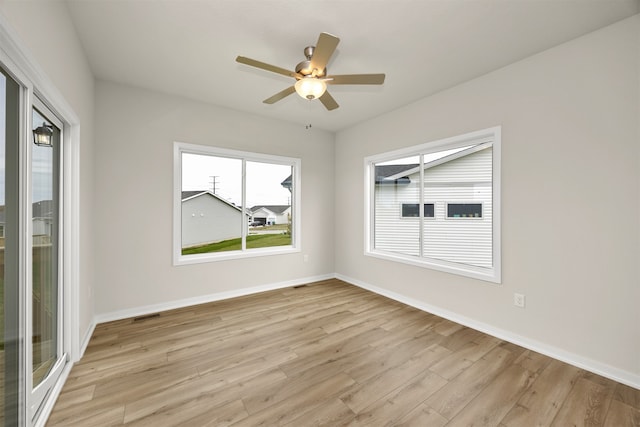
pixel 224 175
pixel 427 157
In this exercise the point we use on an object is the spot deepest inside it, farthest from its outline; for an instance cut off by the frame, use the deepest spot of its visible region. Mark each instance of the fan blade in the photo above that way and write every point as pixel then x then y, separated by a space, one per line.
pixel 356 79
pixel 278 96
pixel 328 101
pixel 325 47
pixel 267 67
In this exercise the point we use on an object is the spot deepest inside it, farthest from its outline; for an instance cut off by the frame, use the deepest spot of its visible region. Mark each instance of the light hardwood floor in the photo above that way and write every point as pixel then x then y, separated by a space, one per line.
pixel 325 354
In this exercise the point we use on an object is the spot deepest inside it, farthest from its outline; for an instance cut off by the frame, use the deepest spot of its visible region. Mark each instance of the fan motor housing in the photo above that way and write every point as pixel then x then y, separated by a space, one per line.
pixel 305 68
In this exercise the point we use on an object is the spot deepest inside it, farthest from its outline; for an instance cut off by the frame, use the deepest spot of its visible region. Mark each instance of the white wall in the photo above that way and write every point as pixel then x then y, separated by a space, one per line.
pixel 134 151
pixel 46 30
pixel 570 199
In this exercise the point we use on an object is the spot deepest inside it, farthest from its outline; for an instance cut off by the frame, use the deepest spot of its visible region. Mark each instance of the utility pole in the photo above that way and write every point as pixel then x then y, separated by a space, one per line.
pixel 214 183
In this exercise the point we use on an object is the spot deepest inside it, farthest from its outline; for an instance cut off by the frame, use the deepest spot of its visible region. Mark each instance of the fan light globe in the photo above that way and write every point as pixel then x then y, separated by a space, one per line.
pixel 310 87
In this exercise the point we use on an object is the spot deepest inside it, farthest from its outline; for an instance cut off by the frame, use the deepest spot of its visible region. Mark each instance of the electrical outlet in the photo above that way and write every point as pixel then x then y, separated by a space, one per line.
pixel 305 258
pixel 518 300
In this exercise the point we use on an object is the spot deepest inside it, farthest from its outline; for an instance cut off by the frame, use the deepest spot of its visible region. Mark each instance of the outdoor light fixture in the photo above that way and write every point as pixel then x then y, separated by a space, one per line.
pixel 310 87
pixel 43 135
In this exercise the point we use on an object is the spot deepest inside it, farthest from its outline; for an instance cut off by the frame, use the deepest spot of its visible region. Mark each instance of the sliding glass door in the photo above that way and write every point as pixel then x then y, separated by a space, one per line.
pixel 32 350
pixel 46 352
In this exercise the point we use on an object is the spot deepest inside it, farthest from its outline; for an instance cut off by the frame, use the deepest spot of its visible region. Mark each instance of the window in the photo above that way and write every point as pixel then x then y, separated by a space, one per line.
pixel 411 210
pixel 464 210
pixel 458 229
pixel 233 204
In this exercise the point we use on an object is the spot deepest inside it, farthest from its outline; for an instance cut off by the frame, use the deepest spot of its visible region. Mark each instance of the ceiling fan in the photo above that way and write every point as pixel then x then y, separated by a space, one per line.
pixel 311 74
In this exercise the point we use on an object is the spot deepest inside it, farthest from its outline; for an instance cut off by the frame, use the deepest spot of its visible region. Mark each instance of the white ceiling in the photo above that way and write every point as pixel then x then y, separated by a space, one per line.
pixel 188 47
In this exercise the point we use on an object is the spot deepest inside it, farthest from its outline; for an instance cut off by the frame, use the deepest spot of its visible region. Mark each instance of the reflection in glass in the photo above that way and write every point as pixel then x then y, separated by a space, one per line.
pixel 9 316
pixel 44 224
pixel 3 101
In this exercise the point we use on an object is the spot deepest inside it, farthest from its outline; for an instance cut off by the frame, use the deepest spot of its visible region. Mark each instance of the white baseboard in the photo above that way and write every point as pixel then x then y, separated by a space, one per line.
pixel 155 308
pixel 611 372
pixel 85 340
pixel 603 369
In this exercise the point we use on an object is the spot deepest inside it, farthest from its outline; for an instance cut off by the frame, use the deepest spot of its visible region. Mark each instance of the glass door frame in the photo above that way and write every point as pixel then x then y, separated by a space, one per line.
pixel 37 395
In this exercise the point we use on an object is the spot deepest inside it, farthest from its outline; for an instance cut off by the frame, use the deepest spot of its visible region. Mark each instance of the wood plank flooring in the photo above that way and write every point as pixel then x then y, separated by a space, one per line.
pixel 326 354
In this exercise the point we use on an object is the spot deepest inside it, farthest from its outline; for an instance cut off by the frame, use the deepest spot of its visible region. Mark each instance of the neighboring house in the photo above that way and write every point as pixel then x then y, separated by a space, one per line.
pixel 42 222
pixel 453 210
pixel 271 214
pixel 288 183
pixel 208 218
pixel 42 215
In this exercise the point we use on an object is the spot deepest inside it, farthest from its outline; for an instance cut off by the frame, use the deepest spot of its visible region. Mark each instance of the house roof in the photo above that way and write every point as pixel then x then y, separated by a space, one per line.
pixel 189 194
pixel 276 209
pixel 385 171
pixel 192 194
pixel 287 183
pixel 399 174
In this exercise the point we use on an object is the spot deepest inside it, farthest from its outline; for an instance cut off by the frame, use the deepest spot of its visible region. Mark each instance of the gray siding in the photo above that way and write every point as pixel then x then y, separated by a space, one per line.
pixel 460 240
pixel 206 219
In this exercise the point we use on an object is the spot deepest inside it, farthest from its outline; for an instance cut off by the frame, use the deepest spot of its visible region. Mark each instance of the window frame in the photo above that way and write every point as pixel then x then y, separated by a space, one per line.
pixel 181 147
pixel 490 135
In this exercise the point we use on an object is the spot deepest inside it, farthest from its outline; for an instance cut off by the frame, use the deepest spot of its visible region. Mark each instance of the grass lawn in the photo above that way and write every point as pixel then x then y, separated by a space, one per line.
pixel 253 241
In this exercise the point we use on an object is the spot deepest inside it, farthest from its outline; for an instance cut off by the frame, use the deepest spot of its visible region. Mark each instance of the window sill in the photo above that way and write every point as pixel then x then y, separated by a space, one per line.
pixel 226 256
pixel 485 274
